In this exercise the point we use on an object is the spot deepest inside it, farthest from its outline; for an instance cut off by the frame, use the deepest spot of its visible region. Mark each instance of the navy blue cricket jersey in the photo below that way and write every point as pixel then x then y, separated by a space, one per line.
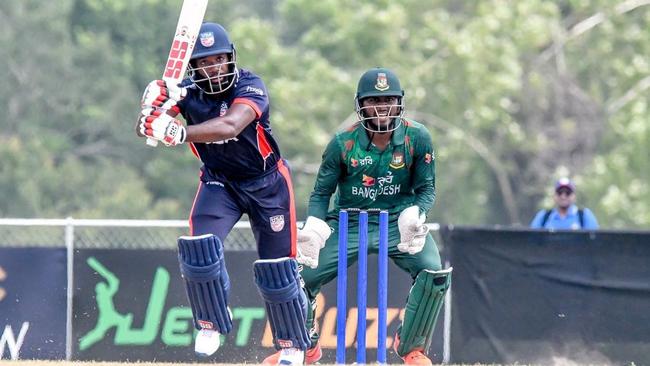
pixel 254 150
pixel 244 174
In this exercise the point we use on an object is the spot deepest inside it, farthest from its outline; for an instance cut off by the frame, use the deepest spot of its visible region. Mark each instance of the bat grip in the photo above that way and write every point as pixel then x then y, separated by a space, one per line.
pixel 151 142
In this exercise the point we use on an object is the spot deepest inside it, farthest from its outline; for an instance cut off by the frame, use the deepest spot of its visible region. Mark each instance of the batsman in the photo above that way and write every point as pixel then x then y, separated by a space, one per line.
pixel 227 110
pixel 384 161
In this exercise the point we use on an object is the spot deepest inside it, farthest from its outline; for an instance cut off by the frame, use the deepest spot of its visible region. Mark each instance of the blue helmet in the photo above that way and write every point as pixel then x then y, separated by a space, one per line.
pixel 217 76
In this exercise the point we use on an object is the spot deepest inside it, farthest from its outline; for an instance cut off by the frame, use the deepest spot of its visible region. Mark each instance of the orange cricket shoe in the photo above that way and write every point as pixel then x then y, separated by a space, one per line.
pixel 312 355
pixel 415 357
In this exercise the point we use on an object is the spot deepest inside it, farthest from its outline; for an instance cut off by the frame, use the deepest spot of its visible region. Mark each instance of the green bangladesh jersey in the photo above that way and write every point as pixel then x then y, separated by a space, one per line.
pixel 400 176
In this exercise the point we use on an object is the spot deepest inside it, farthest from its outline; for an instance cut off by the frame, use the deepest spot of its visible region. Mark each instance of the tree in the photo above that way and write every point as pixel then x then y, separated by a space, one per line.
pixel 515 93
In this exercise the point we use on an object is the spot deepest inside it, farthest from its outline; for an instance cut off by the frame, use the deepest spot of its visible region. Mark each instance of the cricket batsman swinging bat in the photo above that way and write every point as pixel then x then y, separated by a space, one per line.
pixel 187 31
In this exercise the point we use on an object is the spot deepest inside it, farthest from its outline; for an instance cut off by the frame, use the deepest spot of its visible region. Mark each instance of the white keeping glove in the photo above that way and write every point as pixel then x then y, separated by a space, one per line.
pixel 158 125
pixel 159 94
pixel 412 230
pixel 311 239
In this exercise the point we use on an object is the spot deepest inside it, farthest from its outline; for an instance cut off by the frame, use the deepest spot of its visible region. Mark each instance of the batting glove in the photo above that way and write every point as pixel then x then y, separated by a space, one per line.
pixel 159 94
pixel 158 125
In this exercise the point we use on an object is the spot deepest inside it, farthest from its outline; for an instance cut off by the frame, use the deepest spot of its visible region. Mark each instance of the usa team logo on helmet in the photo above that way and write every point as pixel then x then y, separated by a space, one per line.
pixel 207 39
pixel 382 82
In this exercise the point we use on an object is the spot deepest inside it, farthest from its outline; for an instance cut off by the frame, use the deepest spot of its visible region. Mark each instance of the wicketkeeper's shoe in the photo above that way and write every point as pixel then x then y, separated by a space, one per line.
pixel 207 342
pixel 415 357
pixel 312 356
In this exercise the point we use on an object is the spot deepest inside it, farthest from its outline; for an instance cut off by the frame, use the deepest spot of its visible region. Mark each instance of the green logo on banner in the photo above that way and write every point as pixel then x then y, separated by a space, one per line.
pixel 177 326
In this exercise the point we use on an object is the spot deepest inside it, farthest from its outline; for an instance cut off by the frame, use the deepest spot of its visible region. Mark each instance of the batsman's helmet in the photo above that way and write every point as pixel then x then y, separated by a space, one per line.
pixel 379 82
pixel 213 40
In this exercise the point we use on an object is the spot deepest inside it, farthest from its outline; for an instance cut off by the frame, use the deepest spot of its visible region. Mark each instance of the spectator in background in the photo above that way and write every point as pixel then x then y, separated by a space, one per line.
pixel 565 215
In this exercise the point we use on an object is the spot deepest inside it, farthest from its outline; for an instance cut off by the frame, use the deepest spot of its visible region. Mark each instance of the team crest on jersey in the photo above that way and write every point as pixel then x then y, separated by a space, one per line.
pixel 224 108
pixel 382 82
pixel 368 181
pixel 277 222
pixel 398 160
pixel 207 39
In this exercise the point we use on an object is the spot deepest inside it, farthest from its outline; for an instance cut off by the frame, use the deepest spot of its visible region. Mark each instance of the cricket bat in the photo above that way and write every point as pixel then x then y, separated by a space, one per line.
pixel 187 31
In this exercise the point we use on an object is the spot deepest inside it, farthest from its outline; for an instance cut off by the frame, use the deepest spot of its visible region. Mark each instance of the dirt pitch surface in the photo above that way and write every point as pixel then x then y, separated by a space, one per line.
pixel 556 362
pixel 89 363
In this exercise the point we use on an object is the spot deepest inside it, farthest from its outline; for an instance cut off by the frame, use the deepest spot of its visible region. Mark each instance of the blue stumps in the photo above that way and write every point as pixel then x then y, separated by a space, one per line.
pixel 341 287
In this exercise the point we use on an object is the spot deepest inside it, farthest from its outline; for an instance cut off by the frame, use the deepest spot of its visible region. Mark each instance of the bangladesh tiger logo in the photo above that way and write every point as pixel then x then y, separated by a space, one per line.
pixel 382 82
pixel 398 160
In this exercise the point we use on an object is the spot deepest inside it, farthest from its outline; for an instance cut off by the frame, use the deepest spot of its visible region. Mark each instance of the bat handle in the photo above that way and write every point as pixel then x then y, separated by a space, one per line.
pixel 151 142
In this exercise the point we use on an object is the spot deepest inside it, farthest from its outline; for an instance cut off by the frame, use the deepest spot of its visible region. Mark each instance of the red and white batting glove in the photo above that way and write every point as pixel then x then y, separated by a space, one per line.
pixel 159 94
pixel 158 125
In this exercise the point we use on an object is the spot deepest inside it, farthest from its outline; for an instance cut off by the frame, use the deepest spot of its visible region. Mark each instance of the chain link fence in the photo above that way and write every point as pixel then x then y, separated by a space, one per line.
pixel 117 234
pixel 114 234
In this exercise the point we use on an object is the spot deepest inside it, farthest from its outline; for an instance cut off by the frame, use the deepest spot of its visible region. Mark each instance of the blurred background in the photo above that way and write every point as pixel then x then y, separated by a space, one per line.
pixel 515 94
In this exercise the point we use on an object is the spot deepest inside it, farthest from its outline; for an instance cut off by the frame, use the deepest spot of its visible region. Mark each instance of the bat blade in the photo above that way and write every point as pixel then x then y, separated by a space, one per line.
pixel 187 31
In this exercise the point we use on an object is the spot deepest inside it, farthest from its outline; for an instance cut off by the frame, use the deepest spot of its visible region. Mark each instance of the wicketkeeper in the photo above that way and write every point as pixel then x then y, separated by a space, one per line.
pixel 384 161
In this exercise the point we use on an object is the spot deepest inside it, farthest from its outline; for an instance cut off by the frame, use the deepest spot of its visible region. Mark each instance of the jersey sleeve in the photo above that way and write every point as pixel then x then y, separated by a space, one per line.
pixel 537 220
pixel 252 92
pixel 179 108
pixel 591 223
pixel 424 172
pixel 180 105
pixel 326 180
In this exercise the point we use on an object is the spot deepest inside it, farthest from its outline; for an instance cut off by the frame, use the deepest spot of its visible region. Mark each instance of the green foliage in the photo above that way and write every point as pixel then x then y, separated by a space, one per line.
pixel 515 94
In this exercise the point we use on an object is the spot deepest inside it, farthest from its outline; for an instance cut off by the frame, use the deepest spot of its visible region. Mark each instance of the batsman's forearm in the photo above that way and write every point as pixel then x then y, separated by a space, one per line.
pixel 222 128
pixel 205 133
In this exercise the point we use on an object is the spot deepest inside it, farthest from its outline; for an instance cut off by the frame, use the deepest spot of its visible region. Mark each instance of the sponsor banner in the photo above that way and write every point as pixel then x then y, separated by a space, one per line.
pixel 131 305
pixel 533 297
pixel 32 303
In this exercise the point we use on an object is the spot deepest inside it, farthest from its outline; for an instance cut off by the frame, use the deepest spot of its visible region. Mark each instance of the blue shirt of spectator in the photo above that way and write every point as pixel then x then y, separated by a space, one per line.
pixel 565 215
pixel 570 221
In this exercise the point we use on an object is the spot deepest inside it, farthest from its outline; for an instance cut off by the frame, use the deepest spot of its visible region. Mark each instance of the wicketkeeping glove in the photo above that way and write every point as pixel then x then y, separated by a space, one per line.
pixel 412 230
pixel 158 125
pixel 159 94
pixel 311 239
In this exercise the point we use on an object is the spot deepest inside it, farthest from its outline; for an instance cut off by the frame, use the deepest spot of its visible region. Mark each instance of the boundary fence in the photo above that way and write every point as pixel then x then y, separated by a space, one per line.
pixel 74 233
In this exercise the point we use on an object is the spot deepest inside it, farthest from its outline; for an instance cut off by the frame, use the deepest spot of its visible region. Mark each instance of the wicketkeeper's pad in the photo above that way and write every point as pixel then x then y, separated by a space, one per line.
pixel 422 308
pixel 206 280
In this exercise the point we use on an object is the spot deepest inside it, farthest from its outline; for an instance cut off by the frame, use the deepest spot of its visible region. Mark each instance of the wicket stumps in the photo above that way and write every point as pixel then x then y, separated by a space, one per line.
pixel 362 285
